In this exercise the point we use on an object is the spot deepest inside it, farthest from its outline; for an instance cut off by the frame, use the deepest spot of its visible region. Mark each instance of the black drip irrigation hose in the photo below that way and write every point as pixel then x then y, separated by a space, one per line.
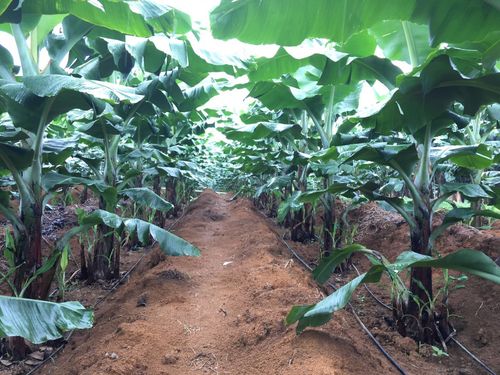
pixel 308 267
pixel 99 301
pixel 234 196
pixel 476 359
pixel 379 301
pixel 459 344
pixel 356 316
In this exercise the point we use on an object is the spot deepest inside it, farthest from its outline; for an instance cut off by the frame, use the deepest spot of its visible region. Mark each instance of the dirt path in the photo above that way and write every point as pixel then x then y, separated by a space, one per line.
pixel 221 313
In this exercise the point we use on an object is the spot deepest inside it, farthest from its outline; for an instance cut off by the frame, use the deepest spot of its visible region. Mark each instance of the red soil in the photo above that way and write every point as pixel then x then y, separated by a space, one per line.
pixel 205 315
pixel 223 312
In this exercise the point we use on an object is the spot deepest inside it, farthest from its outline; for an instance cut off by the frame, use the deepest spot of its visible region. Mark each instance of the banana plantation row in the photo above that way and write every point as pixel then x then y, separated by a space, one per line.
pixel 361 101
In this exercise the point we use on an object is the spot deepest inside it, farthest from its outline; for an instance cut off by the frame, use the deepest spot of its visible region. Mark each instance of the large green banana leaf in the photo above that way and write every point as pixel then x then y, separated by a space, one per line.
pixel 14 156
pixel 334 67
pixel 6 63
pixel 473 157
pixel 391 38
pixel 277 95
pixel 469 190
pixel 52 85
pixel 458 215
pixel 74 29
pixel 261 130
pixel 169 243
pixel 427 98
pixel 41 321
pixel 405 155
pixel 457 21
pixel 141 18
pixel 147 198
pixel 464 260
pixel 25 101
pixel 196 96
pixel 289 22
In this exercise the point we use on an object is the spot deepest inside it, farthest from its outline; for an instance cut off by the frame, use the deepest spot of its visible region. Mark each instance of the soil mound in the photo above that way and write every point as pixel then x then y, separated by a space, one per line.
pixel 221 313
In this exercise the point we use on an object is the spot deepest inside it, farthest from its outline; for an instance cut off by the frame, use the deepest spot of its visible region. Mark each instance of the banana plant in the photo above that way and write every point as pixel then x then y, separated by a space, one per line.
pixel 422 107
pixel 160 93
pixel 479 132
pixel 323 83
pixel 110 187
pixel 38 99
pixel 32 104
pixel 35 95
pixel 276 137
pixel 464 260
pixel 46 97
pixel 444 85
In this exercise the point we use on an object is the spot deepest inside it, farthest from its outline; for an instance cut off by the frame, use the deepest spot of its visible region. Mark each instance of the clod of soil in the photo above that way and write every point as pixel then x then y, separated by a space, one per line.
pixel 172 274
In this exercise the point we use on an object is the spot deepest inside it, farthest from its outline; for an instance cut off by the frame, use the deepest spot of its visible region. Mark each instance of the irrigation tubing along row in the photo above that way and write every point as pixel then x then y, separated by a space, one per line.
pixel 99 301
pixel 308 267
pixel 378 300
pixel 356 316
pixel 459 344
